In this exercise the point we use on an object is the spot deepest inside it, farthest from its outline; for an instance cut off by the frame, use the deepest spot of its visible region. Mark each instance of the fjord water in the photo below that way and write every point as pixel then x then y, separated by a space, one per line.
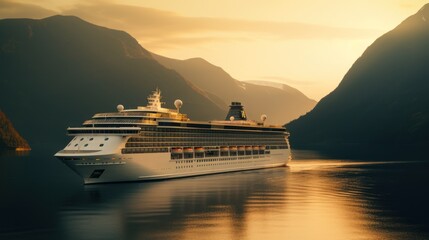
pixel 316 197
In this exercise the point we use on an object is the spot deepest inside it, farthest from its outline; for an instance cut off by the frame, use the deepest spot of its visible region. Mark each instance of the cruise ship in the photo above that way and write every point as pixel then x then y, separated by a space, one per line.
pixel 152 142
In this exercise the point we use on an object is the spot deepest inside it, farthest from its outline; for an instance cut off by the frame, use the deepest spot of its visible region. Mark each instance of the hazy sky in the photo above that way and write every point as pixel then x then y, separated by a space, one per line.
pixel 306 44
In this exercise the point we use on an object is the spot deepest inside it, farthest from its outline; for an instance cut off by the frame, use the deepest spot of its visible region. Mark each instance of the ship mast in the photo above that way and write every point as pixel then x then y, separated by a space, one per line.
pixel 154 100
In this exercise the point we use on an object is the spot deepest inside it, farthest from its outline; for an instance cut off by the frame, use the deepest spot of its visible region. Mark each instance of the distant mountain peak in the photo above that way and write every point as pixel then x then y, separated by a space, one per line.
pixel 424 12
pixel 197 59
pixel 77 32
pixel 68 19
pixel 424 8
pixel 383 97
pixel 64 17
pixel 258 98
pixel 66 65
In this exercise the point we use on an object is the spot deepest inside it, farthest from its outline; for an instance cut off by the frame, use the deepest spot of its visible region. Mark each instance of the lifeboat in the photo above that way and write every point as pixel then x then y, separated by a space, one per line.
pixel 262 147
pixel 240 148
pixel 233 148
pixel 199 149
pixel 177 150
pixel 188 150
pixel 248 148
pixel 224 149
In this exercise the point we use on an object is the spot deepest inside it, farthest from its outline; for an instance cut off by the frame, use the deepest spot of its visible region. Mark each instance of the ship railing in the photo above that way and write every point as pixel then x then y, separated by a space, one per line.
pixel 124 114
pixel 96 121
pixel 107 130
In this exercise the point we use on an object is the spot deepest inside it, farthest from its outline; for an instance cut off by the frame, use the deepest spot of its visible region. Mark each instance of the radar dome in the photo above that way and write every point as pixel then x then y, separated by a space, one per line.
pixel 178 103
pixel 120 108
pixel 231 118
pixel 263 117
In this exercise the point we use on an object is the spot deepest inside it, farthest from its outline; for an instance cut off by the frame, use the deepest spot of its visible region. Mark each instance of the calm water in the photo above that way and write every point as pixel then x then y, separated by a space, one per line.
pixel 317 197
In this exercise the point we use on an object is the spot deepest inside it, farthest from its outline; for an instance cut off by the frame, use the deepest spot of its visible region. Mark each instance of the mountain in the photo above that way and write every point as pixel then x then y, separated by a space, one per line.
pixel 382 100
pixel 59 71
pixel 9 137
pixel 281 104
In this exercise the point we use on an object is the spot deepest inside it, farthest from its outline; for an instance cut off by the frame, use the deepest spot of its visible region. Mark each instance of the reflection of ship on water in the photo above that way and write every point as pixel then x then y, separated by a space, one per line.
pixel 165 210
pixel 153 142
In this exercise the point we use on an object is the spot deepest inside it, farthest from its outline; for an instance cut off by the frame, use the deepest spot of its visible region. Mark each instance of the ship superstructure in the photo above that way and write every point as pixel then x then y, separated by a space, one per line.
pixel 153 142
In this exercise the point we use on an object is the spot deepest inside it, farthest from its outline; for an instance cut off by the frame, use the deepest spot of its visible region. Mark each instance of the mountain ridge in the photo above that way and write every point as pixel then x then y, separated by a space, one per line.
pixel 258 99
pixel 381 100
pixel 59 71
pixel 10 139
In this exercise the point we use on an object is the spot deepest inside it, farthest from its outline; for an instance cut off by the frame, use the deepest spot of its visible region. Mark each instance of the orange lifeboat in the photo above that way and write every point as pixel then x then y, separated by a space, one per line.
pixel 199 149
pixel 177 150
pixel 188 150
pixel 233 148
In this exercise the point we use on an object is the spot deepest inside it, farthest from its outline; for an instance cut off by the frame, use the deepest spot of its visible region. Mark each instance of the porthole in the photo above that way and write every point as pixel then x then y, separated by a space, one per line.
pixel 76 145
pixel 91 139
pixel 86 145
pixel 106 139
pixel 101 145
pixel 81 139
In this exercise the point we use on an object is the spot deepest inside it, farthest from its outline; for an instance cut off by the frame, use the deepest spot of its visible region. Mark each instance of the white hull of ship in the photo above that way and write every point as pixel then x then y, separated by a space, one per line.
pixel 157 166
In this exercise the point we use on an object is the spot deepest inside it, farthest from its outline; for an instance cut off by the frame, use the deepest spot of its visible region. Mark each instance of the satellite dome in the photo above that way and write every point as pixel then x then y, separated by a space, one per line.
pixel 120 108
pixel 178 103
pixel 231 118
pixel 263 117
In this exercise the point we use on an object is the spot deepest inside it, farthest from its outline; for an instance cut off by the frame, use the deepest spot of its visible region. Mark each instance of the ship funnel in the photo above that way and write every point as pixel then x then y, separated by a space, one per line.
pixel 236 110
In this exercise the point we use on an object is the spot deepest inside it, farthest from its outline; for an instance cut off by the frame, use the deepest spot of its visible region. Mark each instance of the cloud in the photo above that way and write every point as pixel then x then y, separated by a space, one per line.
pixel 153 27
pixel 163 29
pixel 171 42
pixel 286 80
pixel 11 9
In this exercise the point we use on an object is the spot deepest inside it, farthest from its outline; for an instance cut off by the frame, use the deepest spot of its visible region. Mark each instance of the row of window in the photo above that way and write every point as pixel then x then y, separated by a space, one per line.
pixel 90 158
pixel 209 134
pixel 213 160
pixel 150 129
pixel 199 143
pixel 191 136
pixel 206 151
pixel 102 131
pixel 208 126
pixel 86 145
pixel 211 164
pixel 143 150
pixel 81 139
pixel 209 154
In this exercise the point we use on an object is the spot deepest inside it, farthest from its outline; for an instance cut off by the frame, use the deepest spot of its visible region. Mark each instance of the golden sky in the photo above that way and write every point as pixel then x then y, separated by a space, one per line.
pixel 306 44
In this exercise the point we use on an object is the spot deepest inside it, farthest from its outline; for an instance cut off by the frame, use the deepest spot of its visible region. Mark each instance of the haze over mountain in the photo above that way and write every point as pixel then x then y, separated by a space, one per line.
pixel 9 137
pixel 382 100
pixel 59 71
pixel 281 103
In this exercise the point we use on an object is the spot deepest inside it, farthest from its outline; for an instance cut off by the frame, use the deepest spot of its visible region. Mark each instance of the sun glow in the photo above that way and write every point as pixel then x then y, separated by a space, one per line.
pixel 307 45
